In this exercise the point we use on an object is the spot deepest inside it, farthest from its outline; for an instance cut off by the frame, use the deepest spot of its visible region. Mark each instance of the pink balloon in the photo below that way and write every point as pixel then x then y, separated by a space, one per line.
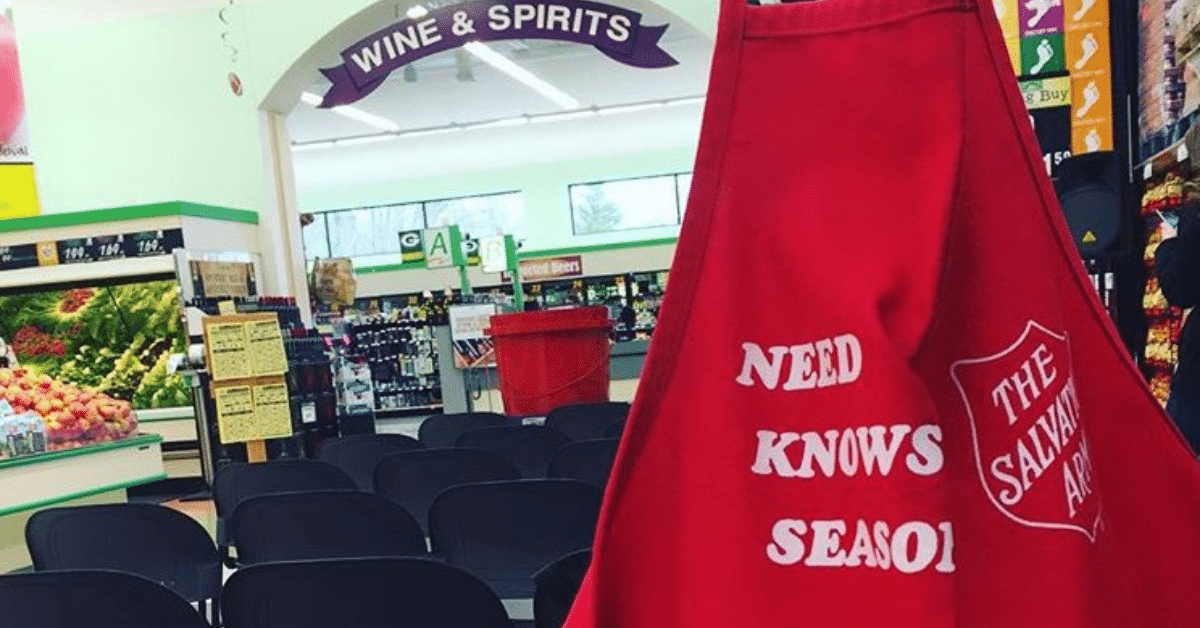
pixel 12 98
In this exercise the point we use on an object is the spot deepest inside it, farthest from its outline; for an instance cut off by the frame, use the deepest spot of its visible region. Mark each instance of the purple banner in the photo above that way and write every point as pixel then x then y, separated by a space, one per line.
pixel 614 31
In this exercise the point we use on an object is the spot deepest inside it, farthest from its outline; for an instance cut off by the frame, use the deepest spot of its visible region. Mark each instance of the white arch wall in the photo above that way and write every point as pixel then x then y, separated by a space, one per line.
pixel 129 103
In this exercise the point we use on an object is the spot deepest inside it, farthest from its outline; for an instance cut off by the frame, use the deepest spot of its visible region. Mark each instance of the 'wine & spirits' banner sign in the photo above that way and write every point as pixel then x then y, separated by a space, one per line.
pixel 616 32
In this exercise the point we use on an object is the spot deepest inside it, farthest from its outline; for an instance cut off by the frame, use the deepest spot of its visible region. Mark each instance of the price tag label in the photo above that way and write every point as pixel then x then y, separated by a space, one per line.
pixel 47 253
pixel 18 256
pixel 107 247
pixel 308 412
pixel 75 251
pixel 151 243
pixel 1181 153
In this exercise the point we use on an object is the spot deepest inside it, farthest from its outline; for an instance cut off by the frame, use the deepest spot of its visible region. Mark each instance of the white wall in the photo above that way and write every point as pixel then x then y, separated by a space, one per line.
pixel 605 262
pixel 129 102
pixel 544 186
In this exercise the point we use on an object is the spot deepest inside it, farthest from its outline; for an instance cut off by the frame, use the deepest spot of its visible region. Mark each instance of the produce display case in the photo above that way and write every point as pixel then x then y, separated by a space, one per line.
pixel 84 359
pixel 89 315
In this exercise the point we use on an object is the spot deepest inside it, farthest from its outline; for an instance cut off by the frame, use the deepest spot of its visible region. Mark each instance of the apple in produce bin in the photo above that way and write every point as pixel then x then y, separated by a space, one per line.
pixel 43 407
pixel 23 399
pixel 78 410
pixel 86 397
pixel 56 403
pixel 6 378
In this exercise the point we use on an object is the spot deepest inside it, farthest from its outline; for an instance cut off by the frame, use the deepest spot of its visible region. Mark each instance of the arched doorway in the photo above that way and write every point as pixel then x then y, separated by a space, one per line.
pixel 528 117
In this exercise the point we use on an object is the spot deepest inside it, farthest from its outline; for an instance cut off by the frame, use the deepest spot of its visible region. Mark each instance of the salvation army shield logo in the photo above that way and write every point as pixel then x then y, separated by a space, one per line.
pixel 1031 449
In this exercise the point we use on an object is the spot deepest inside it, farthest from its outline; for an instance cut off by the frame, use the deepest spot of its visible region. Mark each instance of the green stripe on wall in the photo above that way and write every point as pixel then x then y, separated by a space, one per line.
pixel 135 212
pixel 81 494
pixel 578 250
pixel 167 418
pixel 596 248
pixel 137 441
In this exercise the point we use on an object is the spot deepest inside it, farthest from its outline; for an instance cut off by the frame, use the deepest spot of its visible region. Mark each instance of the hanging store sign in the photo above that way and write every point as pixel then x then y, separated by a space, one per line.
pixel 549 268
pixel 471 251
pixel 443 247
pixel 224 279
pixel 412 248
pixel 616 32
pixel 1061 54
pixel 497 253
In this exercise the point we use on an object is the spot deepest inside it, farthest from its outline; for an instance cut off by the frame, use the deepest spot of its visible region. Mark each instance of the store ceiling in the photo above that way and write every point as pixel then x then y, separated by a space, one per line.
pixel 440 97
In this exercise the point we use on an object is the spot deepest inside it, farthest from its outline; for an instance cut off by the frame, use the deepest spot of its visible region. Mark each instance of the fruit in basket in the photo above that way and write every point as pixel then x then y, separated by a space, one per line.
pixel 72 417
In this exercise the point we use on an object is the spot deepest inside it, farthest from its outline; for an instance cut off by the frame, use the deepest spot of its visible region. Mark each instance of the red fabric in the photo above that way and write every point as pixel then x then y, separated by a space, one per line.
pixel 868 179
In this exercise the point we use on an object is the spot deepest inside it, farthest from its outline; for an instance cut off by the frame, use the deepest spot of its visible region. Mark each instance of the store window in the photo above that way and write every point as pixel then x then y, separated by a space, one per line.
pixel 366 232
pixel 625 204
pixel 389 220
pixel 479 216
pixel 350 233
pixel 683 184
pixel 316 238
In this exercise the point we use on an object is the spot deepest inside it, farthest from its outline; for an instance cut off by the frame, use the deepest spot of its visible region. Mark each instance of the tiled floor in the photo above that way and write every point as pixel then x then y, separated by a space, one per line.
pixel 202 511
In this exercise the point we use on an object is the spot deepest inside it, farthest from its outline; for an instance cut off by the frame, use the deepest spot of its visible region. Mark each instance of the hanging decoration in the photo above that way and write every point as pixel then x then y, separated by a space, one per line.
pixel 614 31
pixel 224 15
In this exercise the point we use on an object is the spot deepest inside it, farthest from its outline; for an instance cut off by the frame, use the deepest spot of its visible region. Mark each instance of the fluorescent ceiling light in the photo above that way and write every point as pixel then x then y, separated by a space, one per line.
pixel 364 139
pixel 564 116
pixel 520 120
pixel 434 131
pixel 503 122
pixel 607 111
pixel 687 100
pixel 525 77
pixel 354 113
pixel 417 12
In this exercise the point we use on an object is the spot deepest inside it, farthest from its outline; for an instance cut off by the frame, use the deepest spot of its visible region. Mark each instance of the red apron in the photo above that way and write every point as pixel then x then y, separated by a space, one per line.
pixel 883 391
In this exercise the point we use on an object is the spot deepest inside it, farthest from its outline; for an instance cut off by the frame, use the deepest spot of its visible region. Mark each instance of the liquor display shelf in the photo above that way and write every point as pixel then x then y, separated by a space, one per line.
pixel 396 355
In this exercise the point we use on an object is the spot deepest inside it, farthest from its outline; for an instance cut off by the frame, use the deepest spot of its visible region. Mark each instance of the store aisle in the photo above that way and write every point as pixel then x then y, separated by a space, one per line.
pixel 203 511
